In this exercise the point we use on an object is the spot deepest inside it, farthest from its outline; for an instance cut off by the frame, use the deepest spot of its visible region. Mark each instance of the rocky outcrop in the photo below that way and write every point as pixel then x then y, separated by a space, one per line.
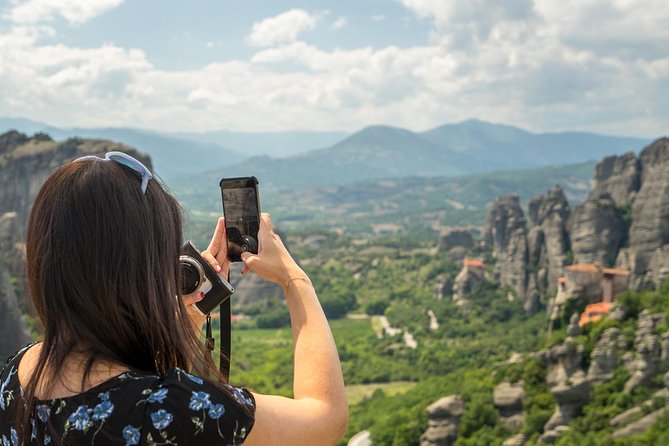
pixel 569 385
pixel 506 234
pixel 623 223
pixel 648 353
pixel 606 355
pixel 618 177
pixel 549 216
pixel 597 231
pixel 443 421
pixel 468 281
pixel 452 238
pixel 639 426
pixel 13 333
pixel 508 399
pixel 443 287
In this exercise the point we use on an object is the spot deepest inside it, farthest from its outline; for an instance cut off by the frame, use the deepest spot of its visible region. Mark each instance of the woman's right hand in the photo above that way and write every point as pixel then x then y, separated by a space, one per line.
pixel 273 261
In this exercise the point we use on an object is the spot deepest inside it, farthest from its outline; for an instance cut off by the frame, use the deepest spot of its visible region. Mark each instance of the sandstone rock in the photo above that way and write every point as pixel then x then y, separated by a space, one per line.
pixel 457 254
pixel 552 436
pixel 573 329
pixel 658 268
pixel 451 238
pixel 551 212
pixel 443 421
pixel 626 417
pixel 604 357
pixel 568 384
pixel 506 233
pixel 647 357
pixel 617 313
pixel 443 287
pixel 13 333
pixel 597 231
pixel 639 426
pixel 10 140
pixel 516 440
pixel 508 399
pixel 650 210
pixel 619 177
pixel 468 281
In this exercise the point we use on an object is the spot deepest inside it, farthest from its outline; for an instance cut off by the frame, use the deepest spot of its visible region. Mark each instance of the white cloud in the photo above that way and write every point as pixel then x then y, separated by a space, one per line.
pixel 74 11
pixel 591 64
pixel 339 23
pixel 285 27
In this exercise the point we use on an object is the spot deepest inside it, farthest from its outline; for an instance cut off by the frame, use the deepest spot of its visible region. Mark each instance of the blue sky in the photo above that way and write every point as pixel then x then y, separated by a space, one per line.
pixel 198 65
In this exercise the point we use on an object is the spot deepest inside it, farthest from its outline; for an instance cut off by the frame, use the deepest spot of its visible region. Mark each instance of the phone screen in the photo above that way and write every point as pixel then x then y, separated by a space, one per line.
pixel 241 208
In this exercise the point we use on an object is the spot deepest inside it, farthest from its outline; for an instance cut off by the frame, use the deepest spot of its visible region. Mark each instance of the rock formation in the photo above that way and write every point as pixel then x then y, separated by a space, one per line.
pixel 618 177
pixel 443 421
pixel 506 234
pixel 623 223
pixel 508 399
pixel 606 355
pixel 569 385
pixel 598 230
pixel 468 281
pixel 452 238
pixel 648 352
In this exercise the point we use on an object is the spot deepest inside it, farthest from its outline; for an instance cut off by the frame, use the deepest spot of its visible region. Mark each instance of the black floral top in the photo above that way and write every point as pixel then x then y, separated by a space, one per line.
pixel 133 409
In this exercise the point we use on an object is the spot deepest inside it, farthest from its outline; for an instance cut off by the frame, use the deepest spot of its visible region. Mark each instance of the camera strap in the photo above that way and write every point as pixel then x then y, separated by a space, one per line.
pixel 226 336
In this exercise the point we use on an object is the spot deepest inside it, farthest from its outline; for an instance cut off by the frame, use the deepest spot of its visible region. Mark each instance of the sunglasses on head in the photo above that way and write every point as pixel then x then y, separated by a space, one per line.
pixel 127 161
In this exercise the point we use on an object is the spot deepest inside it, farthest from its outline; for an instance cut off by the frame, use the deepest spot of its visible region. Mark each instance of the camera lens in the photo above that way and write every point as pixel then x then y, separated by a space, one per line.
pixel 249 244
pixel 192 275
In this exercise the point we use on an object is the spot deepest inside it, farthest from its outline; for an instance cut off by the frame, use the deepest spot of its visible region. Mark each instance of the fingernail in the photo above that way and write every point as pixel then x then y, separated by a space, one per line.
pixel 218 269
pixel 201 295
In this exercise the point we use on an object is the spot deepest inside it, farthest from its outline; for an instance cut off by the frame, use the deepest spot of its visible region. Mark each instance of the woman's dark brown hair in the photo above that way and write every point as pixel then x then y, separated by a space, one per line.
pixel 104 277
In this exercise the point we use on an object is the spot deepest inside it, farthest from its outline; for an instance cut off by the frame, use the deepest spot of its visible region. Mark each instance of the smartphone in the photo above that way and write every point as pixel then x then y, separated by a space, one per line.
pixel 241 209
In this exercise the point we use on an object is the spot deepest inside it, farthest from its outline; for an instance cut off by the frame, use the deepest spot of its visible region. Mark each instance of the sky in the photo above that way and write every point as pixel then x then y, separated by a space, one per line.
pixel 272 65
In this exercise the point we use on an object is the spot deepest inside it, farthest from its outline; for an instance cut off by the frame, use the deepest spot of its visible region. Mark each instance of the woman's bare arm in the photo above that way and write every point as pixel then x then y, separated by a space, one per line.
pixel 318 413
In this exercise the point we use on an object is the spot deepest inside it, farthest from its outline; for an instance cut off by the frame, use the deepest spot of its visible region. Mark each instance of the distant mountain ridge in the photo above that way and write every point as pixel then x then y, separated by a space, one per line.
pixel 379 151
pixel 469 147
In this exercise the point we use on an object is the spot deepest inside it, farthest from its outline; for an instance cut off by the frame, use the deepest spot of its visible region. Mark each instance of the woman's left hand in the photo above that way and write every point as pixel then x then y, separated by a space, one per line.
pixel 217 252
pixel 216 255
pixel 196 316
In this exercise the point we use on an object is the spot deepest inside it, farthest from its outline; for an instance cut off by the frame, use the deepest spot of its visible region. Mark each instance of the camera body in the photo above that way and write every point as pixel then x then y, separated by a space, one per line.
pixel 198 276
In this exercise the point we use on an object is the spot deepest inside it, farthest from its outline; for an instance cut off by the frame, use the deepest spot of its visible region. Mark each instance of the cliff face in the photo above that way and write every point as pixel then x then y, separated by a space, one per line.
pixel 624 222
pixel 24 165
pixel 506 233
pixel 529 261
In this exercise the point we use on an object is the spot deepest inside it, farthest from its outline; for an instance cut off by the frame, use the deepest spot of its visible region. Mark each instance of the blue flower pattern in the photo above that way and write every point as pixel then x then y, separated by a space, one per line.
pixel 199 401
pixel 43 412
pixel 131 435
pixel 209 408
pixel 158 396
pixel 103 410
pixel 80 419
pixel 161 419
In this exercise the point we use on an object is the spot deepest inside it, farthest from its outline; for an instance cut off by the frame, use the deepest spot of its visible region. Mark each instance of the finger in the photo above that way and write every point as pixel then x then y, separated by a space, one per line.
pixel 213 261
pixel 249 260
pixel 190 299
pixel 218 237
pixel 245 270
pixel 266 222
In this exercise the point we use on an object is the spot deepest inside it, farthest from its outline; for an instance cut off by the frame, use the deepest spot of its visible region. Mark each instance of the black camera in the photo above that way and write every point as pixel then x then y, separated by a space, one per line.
pixel 198 276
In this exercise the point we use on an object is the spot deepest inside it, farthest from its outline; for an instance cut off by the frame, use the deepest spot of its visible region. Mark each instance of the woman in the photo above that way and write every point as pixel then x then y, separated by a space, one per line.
pixel 103 243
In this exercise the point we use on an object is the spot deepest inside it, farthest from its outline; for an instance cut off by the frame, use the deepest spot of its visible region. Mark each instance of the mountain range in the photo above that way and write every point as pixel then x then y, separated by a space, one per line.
pixel 465 148
pixel 305 159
